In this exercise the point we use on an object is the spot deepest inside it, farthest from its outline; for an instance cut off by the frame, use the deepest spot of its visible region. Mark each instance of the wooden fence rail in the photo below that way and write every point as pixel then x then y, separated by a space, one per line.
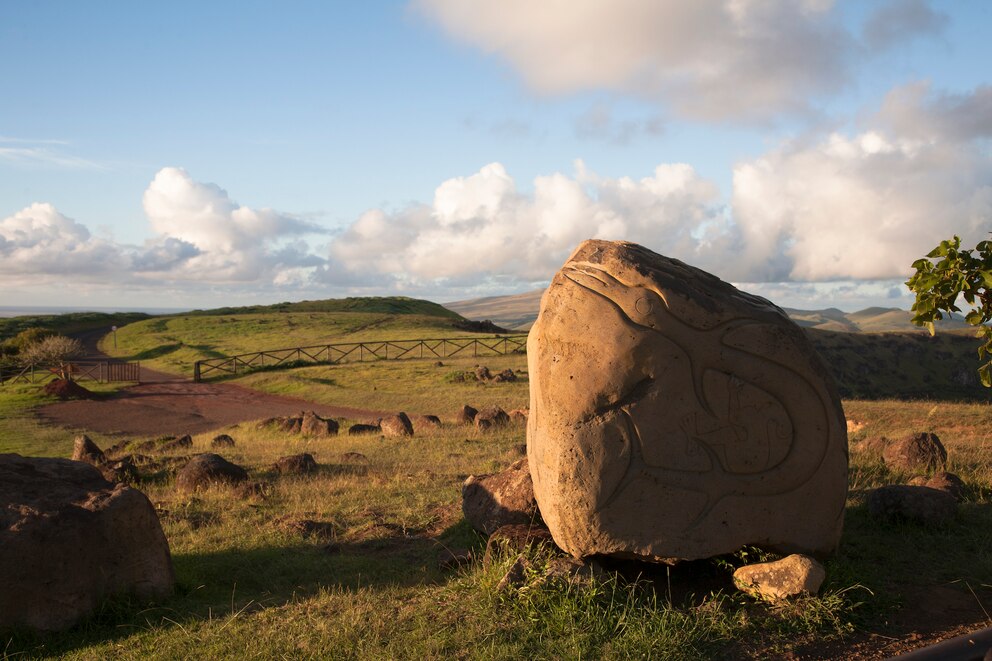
pixel 103 371
pixel 360 352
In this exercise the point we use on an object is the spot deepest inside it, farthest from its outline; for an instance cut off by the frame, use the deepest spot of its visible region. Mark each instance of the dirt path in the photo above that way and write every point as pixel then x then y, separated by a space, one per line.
pixel 168 404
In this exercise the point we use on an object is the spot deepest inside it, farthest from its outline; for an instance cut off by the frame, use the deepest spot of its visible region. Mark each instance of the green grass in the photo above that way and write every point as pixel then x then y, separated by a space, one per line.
pixel 250 585
pixel 173 344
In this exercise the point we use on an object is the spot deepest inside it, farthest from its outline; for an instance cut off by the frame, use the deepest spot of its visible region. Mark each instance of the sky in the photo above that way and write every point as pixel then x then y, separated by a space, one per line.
pixel 206 154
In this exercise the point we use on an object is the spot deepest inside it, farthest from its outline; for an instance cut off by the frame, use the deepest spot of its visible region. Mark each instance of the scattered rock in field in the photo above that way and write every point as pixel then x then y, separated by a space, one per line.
pixel 674 416
pixel 465 415
pixel 296 464
pixel 449 559
pixel 516 538
pixel 291 424
pixel 268 422
pixel 423 424
pixel 222 441
pixel 312 424
pixel 874 445
pixel 246 490
pixel 521 449
pixel 506 376
pixel 943 481
pixel 66 390
pixel 320 530
pixel 482 373
pixel 206 469
pixel 354 458
pixel 789 577
pixel 438 363
pixel 180 443
pixel 499 499
pixel 360 428
pixel 916 504
pixel 122 470
pixel 516 576
pixel 491 417
pixel 85 450
pixel 69 539
pixel 396 425
pixel 917 452
pixel 518 416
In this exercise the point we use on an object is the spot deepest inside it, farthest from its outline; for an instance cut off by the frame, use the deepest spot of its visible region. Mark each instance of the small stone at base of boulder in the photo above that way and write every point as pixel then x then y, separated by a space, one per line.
pixel 296 464
pixel 516 538
pixel 453 558
pixel 206 469
pixel 791 576
pixel 499 499
pixel 922 505
pixel 948 482
pixel 515 576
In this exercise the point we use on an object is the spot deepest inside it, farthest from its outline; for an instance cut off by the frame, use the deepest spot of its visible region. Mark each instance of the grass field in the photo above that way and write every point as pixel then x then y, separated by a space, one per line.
pixel 364 582
pixel 173 344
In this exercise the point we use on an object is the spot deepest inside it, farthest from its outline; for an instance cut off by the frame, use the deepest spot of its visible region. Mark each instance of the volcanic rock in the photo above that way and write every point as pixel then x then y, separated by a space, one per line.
pixel 917 452
pixel 491 417
pixel 396 425
pixel 499 499
pixel 312 424
pixel 675 417
pixel 359 428
pixel 789 577
pixel 85 450
pixel 943 481
pixel 222 441
pixel 423 424
pixel 206 469
pixel 69 539
pixel 465 415
pixel 296 464
pixel 915 504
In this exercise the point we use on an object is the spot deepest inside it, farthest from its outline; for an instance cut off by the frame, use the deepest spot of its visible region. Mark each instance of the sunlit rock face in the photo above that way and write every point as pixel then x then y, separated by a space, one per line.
pixel 676 417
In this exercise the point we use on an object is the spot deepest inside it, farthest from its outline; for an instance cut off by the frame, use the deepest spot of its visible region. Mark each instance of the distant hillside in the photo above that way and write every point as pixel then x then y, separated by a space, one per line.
pixel 71 322
pixel 375 304
pixel 519 311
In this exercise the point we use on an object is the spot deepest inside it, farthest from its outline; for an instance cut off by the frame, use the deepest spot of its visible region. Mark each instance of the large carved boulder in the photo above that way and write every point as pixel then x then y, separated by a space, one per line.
pixel 69 539
pixel 675 417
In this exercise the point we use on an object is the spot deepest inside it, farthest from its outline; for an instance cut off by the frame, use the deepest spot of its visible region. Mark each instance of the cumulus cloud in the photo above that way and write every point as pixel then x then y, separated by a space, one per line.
pixel 39 241
pixel 710 59
pixel 866 205
pixel 224 241
pixel 483 227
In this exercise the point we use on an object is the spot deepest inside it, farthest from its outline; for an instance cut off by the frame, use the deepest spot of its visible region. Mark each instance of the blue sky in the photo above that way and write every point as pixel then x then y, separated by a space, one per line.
pixel 196 154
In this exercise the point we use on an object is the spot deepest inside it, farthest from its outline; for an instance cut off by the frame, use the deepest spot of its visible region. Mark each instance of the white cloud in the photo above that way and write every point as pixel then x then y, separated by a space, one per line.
pixel 865 206
pixel 483 228
pixel 38 242
pixel 229 242
pixel 896 21
pixel 709 59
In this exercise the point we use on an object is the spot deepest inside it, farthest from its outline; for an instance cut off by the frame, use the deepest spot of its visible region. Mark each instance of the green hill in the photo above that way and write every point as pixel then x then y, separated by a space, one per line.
pixel 70 322
pixel 377 304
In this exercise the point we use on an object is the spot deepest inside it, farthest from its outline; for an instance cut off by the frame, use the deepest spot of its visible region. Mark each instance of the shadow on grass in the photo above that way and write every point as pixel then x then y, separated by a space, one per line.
pixel 222 583
pixel 156 352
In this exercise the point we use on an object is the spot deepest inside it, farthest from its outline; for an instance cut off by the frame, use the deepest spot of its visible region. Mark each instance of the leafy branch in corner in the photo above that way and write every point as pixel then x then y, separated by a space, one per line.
pixel 944 275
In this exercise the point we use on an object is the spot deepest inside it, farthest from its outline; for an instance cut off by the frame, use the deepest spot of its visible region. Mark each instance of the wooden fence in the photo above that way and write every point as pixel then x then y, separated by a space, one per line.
pixel 82 370
pixel 360 352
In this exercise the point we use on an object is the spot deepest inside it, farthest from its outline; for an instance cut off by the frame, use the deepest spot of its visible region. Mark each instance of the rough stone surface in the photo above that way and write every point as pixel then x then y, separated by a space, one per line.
pixel 222 441
pixel 917 452
pixel 312 424
pixel 205 469
pixel 396 425
pixel 85 450
pixel 673 416
pixel 491 417
pixel 360 428
pixel 948 482
pixel 354 458
pixel 788 577
pixel 499 499
pixel 424 424
pixel 296 464
pixel 465 415
pixel 916 504
pixel 69 539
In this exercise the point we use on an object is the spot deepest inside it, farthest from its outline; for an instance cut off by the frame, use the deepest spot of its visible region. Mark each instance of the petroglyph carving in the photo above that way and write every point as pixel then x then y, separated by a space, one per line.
pixel 673 416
